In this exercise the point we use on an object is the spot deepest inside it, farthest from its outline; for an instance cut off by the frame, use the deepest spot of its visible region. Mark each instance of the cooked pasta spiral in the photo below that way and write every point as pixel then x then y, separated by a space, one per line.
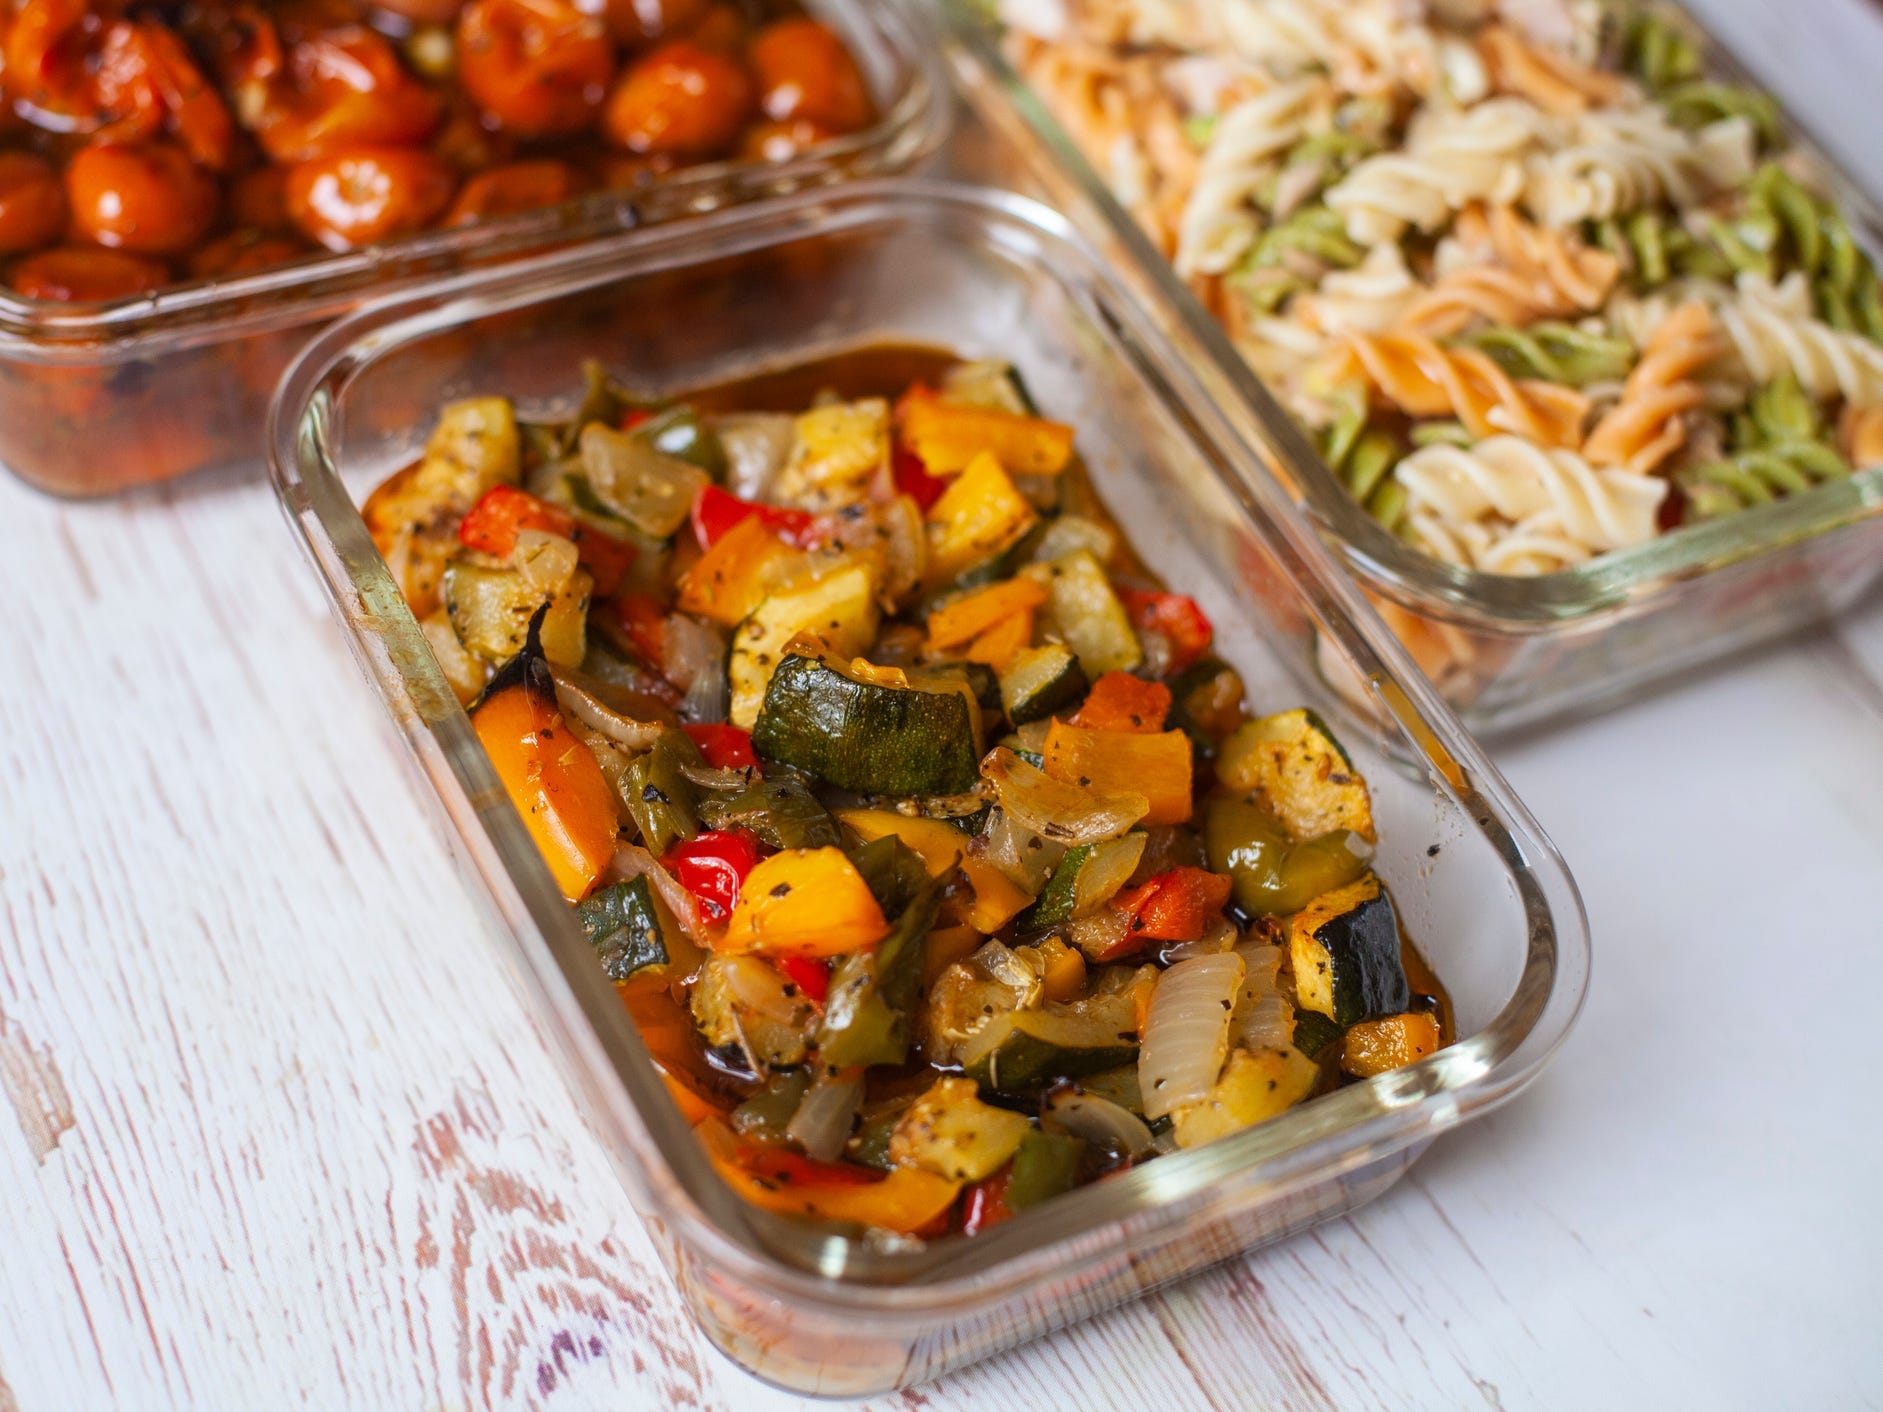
pixel 1554 81
pixel 1374 295
pixel 1218 224
pixel 1451 159
pixel 1617 160
pixel 1421 377
pixel 1508 506
pixel 1860 436
pixel 1648 424
pixel 1515 273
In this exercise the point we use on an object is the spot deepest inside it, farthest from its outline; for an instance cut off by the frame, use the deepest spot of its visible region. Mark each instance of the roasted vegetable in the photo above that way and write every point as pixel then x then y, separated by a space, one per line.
pixel 979 515
pixel 550 775
pixel 1112 762
pixel 1298 771
pixel 1038 681
pixel 874 732
pixel 1087 613
pixel 1345 949
pixel 867 1011
pixel 804 902
pixel 835 612
pixel 1273 874
pixel 949 435
pixel 940 846
pixel 490 611
pixel 949 1131
pixel 624 926
pixel 1255 1085
pixel 1375 1046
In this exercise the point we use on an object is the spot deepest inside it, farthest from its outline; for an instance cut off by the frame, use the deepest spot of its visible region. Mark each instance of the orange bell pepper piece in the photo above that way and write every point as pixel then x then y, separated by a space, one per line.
pixel 1115 762
pixel 804 902
pixel 730 579
pixel 1175 906
pixel 1119 701
pixel 948 435
pixel 974 613
pixel 908 1200
pixel 553 780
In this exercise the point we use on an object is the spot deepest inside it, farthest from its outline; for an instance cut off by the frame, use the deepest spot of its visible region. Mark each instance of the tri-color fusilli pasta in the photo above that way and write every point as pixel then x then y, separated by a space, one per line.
pixel 1542 288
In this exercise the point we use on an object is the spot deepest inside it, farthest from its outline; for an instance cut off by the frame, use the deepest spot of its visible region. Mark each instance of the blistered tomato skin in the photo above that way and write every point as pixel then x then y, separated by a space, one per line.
pixel 368 194
pixel 342 88
pixel 148 198
pixel 78 275
pixel 780 142
pixel 680 100
pixel 805 73
pixel 539 68
pixel 638 23
pixel 32 203
pixel 520 186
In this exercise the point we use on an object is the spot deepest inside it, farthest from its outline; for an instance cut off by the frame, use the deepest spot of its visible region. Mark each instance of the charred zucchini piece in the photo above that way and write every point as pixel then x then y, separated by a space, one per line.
pixel 1040 681
pixel 1345 947
pixel 625 929
pixel 868 736
pixel 1298 771
pixel 1087 614
pixel 1044 1166
pixel 1023 1050
pixel 949 1131
pixel 490 610
pixel 1314 1032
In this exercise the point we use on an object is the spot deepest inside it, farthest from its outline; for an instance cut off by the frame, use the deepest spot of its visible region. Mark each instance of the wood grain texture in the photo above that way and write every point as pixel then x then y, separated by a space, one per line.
pixel 280 1132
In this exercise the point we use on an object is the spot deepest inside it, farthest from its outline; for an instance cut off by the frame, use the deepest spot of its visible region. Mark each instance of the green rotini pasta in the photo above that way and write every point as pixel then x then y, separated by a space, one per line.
pixel 1778 449
pixel 1654 248
pixel 1291 255
pixel 1699 102
pixel 1655 50
pixel 1556 352
pixel 1364 456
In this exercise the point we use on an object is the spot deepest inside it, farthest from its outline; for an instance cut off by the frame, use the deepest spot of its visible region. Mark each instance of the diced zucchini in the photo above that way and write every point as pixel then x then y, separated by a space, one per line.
pixel 1295 767
pixel 838 450
pixel 868 736
pixel 837 609
pixel 1256 1085
pixel 490 610
pixel 1023 1049
pixel 949 1131
pixel 980 515
pixel 1087 613
pixel 625 929
pixel 988 382
pixel 1376 1046
pixel 1314 1032
pixel 1345 948
pixel 1086 879
pixel 745 1003
pixel 1040 681
pixel 1054 904
pixel 474 447
pixel 1044 1166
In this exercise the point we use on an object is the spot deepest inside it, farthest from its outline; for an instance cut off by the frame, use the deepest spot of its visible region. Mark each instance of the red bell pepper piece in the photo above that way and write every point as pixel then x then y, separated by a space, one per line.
pixel 810 974
pixel 1175 906
pixel 780 1166
pixel 1174 617
pixel 634 416
pixel 914 481
pixel 715 511
pixel 1119 701
pixel 985 1203
pixel 713 867
pixel 644 622
pixel 725 747
pixel 491 527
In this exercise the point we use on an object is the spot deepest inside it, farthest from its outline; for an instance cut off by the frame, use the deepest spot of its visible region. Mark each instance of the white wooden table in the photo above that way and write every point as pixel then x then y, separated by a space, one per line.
pixel 262 1148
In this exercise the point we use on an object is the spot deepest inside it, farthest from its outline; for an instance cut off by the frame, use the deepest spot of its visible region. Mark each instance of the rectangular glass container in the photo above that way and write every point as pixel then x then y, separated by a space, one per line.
pixel 1506 652
pixel 984 274
pixel 97 398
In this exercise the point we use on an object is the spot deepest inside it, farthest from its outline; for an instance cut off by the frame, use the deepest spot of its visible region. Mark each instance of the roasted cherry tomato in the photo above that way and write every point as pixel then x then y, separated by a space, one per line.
pixel 805 72
pixel 149 198
pixel 713 867
pixel 80 275
pixel 366 194
pixel 520 186
pixel 147 82
pixel 682 100
pixel 537 67
pixel 642 22
pixel 32 203
pixel 342 88
pixel 426 12
pixel 780 142
pixel 242 253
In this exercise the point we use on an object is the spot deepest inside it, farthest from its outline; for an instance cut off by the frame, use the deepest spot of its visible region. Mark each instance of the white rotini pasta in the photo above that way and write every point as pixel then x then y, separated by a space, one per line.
pixel 1450 160
pixel 1508 506
pixel 1372 296
pixel 1218 223
pixel 1617 160
pixel 1365 45
pixel 1773 332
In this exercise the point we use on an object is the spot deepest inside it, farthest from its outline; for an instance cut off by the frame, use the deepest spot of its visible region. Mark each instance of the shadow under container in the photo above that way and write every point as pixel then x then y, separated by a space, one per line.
pixel 988 275
pixel 98 398
pixel 1506 652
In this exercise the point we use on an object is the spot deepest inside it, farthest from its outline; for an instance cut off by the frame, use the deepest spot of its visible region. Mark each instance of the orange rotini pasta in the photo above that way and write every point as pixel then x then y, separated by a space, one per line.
pixel 1648 424
pixel 1424 378
pixel 1527 273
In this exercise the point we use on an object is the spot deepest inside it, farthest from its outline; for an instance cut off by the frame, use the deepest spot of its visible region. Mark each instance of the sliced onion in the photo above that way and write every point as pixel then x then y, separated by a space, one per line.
pixel 1264 1018
pixel 1055 809
pixel 1000 963
pixel 1070 533
pixel 577 699
pixel 634 861
pixel 756 445
pixel 1019 852
pixel 1186 1033
pixel 649 489
pixel 826 1113
pixel 1098 1120
pixel 1105 871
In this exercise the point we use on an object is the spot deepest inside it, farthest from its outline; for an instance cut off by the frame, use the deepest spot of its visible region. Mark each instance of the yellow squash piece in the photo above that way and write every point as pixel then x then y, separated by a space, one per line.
pixel 804 902
pixel 1375 1046
pixel 1115 762
pixel 940 846
pixel 949 435
pixel 1256 1085
pixel 949 1131
pixel 1299 773
pixel 978 516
